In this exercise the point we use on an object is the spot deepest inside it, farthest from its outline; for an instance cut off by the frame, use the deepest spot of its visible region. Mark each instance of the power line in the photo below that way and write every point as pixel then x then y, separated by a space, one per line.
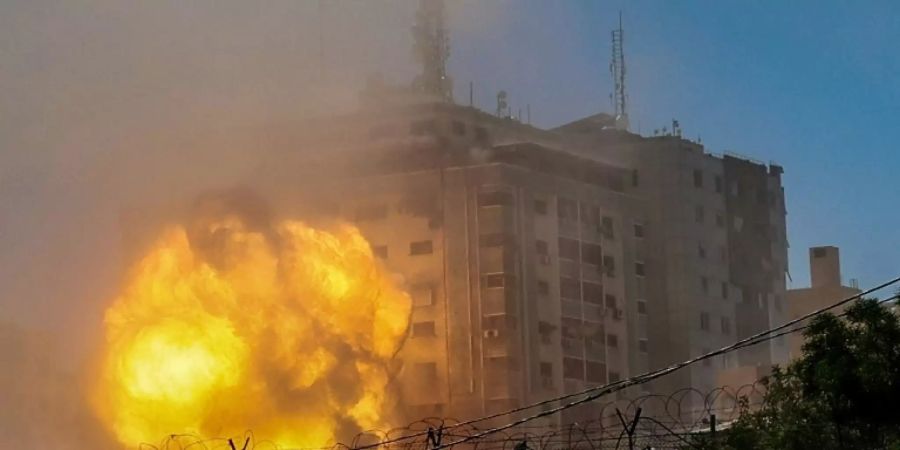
pixel 597 392
pixel 804 327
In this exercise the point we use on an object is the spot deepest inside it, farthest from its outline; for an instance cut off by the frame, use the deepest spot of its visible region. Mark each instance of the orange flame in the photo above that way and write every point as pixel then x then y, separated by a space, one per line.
pixel 290 334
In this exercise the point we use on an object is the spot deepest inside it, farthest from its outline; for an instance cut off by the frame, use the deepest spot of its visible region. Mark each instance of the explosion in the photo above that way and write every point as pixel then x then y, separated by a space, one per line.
pixel 226 326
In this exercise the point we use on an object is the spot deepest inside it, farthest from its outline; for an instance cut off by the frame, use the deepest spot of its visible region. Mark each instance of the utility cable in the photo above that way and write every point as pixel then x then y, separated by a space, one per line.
pixel 597 392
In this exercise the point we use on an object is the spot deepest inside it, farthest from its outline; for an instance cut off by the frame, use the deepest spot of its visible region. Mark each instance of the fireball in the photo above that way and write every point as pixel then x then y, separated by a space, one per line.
pixel 222 327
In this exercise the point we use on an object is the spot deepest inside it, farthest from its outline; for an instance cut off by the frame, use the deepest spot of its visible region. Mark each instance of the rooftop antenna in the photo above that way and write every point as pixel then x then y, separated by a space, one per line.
pixel 321 40
pixel 617 68
pixel 502 104
pixel 432 49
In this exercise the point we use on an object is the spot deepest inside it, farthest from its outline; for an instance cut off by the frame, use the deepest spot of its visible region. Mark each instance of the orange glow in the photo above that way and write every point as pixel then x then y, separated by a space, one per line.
pixel 288 333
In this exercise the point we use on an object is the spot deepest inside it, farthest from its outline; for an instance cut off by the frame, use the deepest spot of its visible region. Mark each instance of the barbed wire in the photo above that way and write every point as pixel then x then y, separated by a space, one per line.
pixel 666 421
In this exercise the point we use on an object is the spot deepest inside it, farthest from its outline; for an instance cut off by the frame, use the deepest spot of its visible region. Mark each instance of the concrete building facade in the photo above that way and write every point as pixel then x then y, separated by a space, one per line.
pixel 717 224
pixel 544 262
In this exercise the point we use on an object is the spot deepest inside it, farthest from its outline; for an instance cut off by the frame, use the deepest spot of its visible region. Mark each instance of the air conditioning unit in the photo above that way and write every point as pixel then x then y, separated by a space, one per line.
pixel 544 259
pixel 491 333
pixel 618 314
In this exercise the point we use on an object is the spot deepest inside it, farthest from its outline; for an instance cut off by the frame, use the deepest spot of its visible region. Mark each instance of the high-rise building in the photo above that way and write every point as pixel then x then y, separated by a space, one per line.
pixel 516 253
pixel 716 225
pixel 543 262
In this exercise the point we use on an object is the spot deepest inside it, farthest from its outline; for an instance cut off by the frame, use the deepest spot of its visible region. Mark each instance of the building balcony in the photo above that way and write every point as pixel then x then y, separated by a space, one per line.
pixel 570 308
pixel 573 347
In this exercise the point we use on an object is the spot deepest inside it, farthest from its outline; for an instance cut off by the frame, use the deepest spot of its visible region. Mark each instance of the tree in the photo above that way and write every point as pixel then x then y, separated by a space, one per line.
pixel 843 393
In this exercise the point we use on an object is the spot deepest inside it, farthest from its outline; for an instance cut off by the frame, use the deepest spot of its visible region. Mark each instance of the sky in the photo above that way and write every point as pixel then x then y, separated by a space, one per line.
pixel 813 86
pixel 106 104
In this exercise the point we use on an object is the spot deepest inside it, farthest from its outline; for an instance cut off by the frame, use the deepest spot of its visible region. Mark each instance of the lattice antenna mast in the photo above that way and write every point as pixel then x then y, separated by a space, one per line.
pixel 432 49
pixel 617 68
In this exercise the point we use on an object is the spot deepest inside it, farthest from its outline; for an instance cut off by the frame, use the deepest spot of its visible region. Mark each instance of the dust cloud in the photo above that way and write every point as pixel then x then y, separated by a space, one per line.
pixel 112 112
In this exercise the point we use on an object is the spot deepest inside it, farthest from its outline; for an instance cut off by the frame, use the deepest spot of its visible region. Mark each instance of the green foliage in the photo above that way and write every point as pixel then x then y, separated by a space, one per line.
pixel 843 393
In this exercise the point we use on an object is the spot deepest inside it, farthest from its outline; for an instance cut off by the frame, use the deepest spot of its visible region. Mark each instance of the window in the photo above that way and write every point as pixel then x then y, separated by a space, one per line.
pixel 635 179
pixel 497 198
pixel 593 292
pixel 423 329
pixel 641 307
pixel 708 361
pixel 701 251
pixel 590 215
pixel 573 368
pixel 720 220
pixel 718 184
pixel 568 249
pixel 547 370
pixel 643 346
pixel 819 252
pixel 704 285
pixel 498 363
pixel 546 331
pixel 481 134
pixel 596 372
pixel 704 321
pixel 498 280
pixel 569 288
pixel 638 230
pixel 543 287
pixel 726 325
pixel 499 322
pixel 571 329
pixel 606 227
pixel 614 376
pixel 380 251
pixel 425 371
pixel 422 127
pixel 612 341
pixel 540 207
pixel 609 265
pixel 724 290
pixel 639 269
pixel 610 301
pixel 698 214
pixel 698 178
pixel 541 247
pixel 566 209
pixel 738 224
pixel 422 295
pixel 591 254
pixel 420 248
pixel 458 128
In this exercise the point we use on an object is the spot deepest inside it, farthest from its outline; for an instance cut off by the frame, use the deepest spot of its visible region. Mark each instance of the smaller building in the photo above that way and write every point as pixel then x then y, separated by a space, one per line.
pixel 826 289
